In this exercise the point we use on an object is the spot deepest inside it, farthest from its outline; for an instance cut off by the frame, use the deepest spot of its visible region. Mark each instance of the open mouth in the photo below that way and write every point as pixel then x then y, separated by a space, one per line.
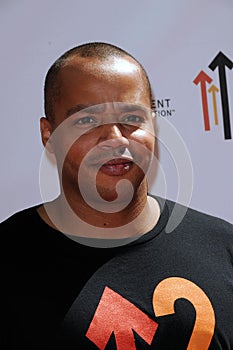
pixel 116 167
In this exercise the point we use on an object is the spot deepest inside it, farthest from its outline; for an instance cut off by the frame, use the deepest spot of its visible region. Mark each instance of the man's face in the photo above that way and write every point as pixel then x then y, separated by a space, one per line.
pixel 105 127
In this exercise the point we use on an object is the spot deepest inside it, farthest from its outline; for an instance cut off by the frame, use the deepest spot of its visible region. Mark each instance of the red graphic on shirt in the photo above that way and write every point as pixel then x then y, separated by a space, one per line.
pixel 117 315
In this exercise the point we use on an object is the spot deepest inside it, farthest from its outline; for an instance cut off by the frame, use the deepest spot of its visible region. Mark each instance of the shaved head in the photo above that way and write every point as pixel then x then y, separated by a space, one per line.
pixel 100 52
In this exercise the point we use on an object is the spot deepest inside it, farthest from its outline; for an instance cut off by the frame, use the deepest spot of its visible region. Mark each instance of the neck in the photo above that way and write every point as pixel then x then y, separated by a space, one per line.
pixel 112 214
pixel 80 219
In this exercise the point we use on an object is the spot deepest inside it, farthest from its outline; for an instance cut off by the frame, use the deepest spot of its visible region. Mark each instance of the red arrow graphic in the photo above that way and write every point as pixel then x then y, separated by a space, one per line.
pixel 117 315
pixel 203 78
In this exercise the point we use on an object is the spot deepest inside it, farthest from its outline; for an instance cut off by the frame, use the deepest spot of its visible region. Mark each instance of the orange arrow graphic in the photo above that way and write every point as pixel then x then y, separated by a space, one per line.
pixel 213 90
pixel 203 78
pixel 117 315
pixel 174 288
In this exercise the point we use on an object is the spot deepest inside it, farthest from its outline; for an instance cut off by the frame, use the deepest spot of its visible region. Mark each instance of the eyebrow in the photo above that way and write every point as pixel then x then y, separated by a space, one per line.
pixel 79 107
pixel 101 107
pixel 133 107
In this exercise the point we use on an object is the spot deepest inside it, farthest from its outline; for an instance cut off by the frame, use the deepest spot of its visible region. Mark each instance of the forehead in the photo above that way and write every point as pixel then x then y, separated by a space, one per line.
pixel 124 64
pixel 91 81
pixel 79 69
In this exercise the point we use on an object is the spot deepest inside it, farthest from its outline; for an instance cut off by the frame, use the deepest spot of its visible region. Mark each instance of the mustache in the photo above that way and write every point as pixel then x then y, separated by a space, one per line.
pixel 104 156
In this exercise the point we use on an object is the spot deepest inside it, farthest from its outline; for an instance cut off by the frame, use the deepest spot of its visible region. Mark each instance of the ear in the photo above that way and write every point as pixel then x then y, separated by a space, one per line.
pixel 46 131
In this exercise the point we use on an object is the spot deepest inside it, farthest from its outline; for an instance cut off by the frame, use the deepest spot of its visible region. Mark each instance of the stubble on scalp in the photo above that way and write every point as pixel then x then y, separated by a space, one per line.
pixel 97 51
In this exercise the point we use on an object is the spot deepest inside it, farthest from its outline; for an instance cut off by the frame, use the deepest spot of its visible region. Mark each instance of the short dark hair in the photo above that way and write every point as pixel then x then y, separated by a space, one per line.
pixel 99 50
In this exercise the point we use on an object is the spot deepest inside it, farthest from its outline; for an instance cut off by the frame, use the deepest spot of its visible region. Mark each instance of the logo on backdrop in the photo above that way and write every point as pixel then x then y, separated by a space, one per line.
pixel 221 63
pixel 163 107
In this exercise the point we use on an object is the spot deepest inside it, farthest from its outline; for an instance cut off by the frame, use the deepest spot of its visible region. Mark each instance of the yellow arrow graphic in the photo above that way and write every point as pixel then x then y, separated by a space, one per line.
pixel 213 90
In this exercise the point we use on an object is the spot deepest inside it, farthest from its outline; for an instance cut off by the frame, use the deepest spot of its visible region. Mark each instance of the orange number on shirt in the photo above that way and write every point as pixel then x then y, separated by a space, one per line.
pixel 173 288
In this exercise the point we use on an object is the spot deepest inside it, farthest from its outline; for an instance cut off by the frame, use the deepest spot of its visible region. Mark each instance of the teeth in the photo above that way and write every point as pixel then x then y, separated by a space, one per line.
pixel 118 167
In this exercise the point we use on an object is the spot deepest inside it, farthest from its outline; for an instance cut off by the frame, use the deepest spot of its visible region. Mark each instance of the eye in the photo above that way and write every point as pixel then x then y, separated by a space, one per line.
pixel 133 119
pixel 85 121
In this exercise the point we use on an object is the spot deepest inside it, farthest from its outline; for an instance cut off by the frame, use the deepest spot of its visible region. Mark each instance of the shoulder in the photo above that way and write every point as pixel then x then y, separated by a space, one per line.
pixel 202 223
pixel 24 235
pixel 22 217
pixel 188 219
pixel 17 228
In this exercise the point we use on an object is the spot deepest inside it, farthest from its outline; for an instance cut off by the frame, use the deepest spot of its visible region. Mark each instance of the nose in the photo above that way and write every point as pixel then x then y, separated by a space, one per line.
pixel 112 137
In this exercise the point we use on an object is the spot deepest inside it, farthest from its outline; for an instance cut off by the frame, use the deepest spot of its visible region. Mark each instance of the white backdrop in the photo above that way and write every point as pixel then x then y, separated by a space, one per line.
pixel 175 40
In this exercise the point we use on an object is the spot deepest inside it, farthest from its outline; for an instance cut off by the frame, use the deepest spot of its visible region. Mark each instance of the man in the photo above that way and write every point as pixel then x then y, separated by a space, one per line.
pixel 95 268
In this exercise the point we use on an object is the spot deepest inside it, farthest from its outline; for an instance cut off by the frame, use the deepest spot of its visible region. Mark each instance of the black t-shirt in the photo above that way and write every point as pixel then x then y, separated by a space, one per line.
pixel 163 291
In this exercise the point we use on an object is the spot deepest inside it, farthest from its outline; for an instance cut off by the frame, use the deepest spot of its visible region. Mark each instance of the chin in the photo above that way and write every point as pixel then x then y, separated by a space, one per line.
pixel 111 195
pixel 109 201
pixel 121 192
